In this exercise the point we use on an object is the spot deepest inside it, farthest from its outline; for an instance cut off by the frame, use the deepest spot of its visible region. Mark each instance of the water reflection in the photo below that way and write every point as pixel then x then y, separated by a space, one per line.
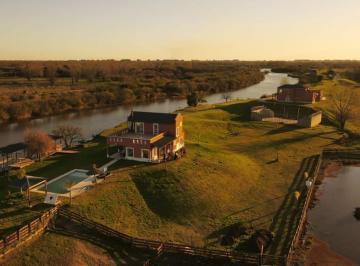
pixel 332 220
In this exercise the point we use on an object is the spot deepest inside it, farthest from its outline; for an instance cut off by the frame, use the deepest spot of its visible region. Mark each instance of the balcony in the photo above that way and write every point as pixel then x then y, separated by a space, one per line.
pixel 130 134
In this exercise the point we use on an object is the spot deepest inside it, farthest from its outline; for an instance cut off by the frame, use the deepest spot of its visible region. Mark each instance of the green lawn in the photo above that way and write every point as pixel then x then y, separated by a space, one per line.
pixel 62 163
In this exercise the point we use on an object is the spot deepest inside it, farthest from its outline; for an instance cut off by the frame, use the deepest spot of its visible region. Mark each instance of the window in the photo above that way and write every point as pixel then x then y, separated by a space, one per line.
pixel 139 127
pixel 129 152
pixel 155 128
pixel 145 154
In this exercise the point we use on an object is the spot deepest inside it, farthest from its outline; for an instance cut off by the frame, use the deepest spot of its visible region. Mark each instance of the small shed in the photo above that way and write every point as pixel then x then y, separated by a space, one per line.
pixel 258 113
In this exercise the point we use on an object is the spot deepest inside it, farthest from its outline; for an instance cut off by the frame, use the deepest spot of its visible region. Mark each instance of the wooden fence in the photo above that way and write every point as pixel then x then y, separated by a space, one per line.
pixel 164 247
pixel 303 218
pixel 25 233
pixel 344 154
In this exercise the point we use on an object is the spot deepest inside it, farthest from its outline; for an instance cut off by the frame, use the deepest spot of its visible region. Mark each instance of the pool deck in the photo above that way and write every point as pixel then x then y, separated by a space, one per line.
pixel 84 185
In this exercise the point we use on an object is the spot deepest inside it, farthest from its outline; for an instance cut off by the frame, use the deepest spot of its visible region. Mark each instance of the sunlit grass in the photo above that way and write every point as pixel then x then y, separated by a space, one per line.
pixel 229 174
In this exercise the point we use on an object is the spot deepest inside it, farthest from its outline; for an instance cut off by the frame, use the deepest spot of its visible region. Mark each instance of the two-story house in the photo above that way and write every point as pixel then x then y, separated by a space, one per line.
pixel 150 137
pixel 297 93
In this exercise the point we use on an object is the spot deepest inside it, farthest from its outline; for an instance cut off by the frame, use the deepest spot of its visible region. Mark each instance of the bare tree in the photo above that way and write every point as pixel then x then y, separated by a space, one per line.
pixel 38 143
pixel 68 133
pixel 226 96
pixel 343 102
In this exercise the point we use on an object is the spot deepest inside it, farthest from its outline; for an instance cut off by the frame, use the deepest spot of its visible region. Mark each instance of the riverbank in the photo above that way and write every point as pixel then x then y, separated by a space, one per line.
pixel 320 254
pixel 333 229
pixel 92 122
pixel 105 83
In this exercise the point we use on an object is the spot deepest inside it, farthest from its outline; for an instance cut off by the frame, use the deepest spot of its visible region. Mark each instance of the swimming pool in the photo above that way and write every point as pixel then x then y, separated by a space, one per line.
pixel 80 180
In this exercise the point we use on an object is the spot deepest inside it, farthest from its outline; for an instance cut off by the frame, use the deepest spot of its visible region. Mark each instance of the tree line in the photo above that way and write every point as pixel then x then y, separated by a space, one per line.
pixel 40 88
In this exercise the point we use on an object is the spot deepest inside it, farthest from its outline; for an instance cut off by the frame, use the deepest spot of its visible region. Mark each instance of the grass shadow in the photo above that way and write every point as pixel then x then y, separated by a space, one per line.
pixel 164 193
pixel 121 253
pixel 282 129
pixel 286 218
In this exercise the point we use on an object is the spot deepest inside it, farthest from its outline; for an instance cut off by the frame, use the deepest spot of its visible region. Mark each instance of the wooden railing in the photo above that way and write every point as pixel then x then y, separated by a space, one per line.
pixel 343 154
pixel 164 247
pixel 24 233
pixel 302 222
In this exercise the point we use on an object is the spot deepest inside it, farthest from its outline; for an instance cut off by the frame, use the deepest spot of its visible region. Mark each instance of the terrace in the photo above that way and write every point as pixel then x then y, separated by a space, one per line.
pixel 129 134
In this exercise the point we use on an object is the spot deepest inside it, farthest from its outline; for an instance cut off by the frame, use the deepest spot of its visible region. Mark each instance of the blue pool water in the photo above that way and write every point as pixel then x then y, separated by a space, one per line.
pixel 59 185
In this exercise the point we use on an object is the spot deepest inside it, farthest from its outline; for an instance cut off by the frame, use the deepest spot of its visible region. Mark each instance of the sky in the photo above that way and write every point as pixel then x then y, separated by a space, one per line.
pixel 179 29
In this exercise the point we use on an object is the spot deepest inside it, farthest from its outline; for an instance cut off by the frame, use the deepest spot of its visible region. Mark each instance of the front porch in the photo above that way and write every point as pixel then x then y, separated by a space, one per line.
pixel 163 151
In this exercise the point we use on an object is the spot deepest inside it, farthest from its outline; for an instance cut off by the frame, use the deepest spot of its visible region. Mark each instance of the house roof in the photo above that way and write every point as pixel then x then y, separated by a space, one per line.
pixel 292 86
pixel 150 117
pixel 163 141
pixel 13 148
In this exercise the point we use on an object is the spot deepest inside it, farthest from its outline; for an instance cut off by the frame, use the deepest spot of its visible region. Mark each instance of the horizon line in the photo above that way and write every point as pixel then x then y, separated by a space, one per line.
pixel 175 59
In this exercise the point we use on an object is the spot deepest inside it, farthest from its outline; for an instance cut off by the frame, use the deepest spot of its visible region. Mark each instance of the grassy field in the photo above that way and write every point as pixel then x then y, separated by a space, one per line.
pixel 69 251
pixel 328 87
pixel 66 245
pixel 228 175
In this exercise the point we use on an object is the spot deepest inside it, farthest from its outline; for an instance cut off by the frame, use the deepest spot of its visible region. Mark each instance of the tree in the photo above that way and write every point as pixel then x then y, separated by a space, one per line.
pixel 69 186
pixel 226 96
pixel 68 133
pixel 193 99
pixel 28 72
pixel 343 102
pixel 38 143
pixel 50 73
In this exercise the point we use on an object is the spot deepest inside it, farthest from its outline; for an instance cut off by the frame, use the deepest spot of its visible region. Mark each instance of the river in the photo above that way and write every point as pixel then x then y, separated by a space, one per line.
pixel 94 121
pixel 332 219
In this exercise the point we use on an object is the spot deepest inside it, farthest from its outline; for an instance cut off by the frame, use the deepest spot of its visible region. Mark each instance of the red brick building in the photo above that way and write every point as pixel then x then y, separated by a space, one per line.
pixel 150 137
pixel 298 94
